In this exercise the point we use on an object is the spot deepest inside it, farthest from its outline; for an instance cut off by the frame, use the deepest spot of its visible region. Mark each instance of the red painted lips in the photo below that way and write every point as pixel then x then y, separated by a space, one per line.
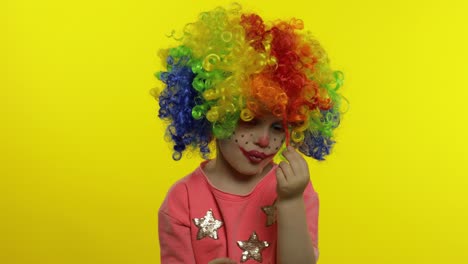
pixel 255 156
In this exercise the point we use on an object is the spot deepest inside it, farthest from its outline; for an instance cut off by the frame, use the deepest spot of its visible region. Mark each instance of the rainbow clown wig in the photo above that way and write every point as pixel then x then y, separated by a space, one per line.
pixel 232 65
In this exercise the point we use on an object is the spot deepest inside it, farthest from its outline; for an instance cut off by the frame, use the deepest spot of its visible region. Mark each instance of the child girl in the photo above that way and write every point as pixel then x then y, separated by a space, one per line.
pixel 255 90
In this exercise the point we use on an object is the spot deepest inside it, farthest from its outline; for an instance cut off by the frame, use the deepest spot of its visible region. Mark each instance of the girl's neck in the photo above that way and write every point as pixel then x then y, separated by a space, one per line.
pixel 227 179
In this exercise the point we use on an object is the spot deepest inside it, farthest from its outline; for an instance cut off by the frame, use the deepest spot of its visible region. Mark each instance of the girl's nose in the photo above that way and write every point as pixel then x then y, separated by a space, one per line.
pixel 263 141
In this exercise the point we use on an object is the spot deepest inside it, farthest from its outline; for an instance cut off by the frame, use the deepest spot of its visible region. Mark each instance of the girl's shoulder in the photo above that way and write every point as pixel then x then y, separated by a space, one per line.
pixel 179 191
pixel 182 194
pixel 188 181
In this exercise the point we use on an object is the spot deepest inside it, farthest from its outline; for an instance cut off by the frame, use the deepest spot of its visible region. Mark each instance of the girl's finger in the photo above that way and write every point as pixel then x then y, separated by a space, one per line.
pixel 280 178
pixel 296 161
pixel 287 171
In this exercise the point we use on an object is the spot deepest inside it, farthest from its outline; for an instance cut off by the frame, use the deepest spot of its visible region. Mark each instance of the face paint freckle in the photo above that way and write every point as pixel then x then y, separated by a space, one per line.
pixel 246 142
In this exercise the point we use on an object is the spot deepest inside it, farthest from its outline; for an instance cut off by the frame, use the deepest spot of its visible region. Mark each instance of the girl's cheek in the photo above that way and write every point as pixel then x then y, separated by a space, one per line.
pixel 276 142
pixel 242 139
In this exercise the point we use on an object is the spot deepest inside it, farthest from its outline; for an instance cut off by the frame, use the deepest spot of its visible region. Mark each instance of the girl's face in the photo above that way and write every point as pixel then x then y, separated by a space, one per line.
pixel 253 145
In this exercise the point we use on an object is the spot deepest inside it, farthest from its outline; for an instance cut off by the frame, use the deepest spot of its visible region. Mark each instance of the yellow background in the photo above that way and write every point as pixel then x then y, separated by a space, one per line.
pixel 84 168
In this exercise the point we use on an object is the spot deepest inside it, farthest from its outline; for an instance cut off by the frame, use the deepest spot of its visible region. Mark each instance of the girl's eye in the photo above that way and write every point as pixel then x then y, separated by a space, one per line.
pixel 278 127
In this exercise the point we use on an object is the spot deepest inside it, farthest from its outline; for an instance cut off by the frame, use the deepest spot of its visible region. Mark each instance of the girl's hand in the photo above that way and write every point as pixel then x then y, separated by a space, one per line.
pixel 293 176
pixel 222 261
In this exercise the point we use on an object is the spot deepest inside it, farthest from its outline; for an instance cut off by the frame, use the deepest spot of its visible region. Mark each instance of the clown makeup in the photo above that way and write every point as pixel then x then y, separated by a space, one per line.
pixel 253 145
pixel 271 142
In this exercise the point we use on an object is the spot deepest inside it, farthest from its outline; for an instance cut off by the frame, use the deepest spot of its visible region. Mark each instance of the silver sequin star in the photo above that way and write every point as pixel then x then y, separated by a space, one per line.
pixel 252 248
pixel 207 226
pixel 270 211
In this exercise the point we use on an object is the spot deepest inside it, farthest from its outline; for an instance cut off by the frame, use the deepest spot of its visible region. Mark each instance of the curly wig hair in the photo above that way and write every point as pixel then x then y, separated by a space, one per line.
pixel 231 65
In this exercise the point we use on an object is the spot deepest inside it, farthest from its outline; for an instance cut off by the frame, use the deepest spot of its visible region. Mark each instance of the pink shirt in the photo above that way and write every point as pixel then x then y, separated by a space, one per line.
pixel 199 223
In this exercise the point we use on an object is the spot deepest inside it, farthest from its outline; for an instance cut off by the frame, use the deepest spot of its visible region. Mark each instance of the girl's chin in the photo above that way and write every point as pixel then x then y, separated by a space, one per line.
pixel 256 168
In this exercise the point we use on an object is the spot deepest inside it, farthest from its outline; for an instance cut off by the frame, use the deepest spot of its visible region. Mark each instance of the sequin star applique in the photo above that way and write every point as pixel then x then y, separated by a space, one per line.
pixel 252 248
pixel 270 211
pixel 207 226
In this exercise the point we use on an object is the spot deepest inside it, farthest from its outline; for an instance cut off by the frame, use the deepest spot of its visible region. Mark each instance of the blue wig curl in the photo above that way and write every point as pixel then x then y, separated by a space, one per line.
pixel 176 102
